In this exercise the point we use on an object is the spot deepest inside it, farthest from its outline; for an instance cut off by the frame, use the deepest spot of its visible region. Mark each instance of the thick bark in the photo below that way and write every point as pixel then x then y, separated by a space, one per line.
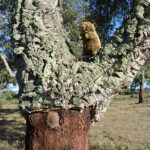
pixel 58 130
pixel 141 92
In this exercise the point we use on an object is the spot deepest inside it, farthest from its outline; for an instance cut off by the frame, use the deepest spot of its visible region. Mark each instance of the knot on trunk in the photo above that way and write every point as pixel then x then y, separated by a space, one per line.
pixel 53 119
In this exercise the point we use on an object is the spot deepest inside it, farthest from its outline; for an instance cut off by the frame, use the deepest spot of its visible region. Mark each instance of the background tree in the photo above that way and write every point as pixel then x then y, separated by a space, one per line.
pixel 141 91
pixel 147 71
pixel 144 75
pixel 135 84
pixel 6 53
pixel 74 12
pixel 59 95
pixel 107 15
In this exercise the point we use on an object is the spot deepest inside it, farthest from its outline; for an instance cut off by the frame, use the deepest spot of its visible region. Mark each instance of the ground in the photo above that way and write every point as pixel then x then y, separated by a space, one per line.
pixel 125 126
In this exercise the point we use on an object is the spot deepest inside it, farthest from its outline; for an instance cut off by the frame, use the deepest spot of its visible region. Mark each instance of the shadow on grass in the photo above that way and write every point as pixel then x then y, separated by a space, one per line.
pixel 95 148
pixel 8 111
pixel 12 128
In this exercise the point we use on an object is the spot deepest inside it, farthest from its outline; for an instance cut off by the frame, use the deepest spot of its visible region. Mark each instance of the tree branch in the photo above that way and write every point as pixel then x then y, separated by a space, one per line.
pixel 11 74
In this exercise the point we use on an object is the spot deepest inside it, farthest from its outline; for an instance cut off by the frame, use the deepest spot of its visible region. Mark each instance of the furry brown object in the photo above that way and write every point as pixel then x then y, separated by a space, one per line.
pixel 91 41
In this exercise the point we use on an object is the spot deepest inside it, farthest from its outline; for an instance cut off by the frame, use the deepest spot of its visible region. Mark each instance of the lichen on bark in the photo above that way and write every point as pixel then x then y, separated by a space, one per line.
pixel 49 76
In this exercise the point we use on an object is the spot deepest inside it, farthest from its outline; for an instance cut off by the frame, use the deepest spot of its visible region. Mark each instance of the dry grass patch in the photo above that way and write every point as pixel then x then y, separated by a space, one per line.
pixel 12 128
pixel 126 126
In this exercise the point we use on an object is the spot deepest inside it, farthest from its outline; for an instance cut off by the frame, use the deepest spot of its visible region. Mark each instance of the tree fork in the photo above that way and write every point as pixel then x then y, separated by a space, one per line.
pixel 58 130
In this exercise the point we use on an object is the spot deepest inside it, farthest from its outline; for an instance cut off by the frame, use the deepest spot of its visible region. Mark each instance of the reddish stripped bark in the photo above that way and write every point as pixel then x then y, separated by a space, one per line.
pixel 58 130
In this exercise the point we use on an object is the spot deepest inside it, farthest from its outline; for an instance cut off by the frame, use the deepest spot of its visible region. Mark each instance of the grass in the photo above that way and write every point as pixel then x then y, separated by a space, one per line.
pixel 12 128
pixel 125 126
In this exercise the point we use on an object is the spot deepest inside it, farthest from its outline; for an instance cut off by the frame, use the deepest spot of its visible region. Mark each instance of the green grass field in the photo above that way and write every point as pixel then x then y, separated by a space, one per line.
pixel 125 126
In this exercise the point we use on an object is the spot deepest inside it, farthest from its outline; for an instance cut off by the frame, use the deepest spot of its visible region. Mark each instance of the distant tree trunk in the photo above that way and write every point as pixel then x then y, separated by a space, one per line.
pixel 59 95
pixel 141 92
pixel 132 90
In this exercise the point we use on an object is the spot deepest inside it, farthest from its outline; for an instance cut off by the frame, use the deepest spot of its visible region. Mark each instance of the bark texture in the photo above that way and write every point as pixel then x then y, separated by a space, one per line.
pixel 58 130
pixel 51 77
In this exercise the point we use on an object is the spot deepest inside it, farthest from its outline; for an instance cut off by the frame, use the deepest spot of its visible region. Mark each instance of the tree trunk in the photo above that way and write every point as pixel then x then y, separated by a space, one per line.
pixel 58 130
pixel 141 92
pixel 52 81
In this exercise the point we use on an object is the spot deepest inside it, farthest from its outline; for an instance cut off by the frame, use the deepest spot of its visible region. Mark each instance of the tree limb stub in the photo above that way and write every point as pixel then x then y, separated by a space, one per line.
pixel 51 77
